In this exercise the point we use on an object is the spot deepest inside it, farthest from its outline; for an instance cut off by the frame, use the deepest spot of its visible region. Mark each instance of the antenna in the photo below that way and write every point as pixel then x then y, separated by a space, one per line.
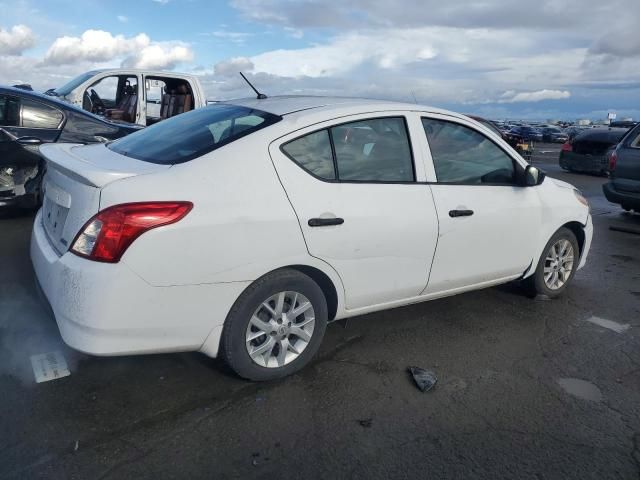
pixel 260 96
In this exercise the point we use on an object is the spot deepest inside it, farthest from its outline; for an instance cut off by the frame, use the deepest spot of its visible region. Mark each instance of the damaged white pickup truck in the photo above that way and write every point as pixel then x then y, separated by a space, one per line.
pixel 143 97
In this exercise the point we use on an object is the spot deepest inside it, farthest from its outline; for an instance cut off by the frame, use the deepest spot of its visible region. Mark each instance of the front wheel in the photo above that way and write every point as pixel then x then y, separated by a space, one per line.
pixel 275 327
pixel 557 265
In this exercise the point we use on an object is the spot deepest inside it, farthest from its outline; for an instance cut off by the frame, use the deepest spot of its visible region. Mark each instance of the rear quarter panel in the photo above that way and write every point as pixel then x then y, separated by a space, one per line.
pixel 242 225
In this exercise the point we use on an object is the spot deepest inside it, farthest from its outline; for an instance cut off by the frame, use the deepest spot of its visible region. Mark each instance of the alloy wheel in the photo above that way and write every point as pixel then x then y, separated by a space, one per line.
pixel 280 329
pixel 558 264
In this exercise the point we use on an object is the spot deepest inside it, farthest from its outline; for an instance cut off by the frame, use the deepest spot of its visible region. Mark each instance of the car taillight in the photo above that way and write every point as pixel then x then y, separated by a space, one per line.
pixel 567 147
pixel 106 236
pixel 613 160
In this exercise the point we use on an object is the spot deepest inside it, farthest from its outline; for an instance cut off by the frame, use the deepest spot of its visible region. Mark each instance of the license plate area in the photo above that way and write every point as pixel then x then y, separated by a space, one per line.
pixel 55 208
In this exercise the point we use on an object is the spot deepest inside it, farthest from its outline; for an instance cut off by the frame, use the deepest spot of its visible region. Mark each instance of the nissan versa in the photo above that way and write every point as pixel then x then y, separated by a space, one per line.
pixel 240 229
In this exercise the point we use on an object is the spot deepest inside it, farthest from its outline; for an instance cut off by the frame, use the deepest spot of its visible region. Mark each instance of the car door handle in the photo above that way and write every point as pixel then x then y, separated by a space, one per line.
pixel 325 222
pixel 460 213
pixel 28 141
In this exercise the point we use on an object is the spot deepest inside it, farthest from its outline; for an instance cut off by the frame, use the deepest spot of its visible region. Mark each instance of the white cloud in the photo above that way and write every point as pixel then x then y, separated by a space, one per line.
pixel 123 18
pixel 161 2
pixel 235 37
pixel 159 56
pixel 232 66
pixel 16 40
pixel 511 96
pixel 93 46
pixel 101 46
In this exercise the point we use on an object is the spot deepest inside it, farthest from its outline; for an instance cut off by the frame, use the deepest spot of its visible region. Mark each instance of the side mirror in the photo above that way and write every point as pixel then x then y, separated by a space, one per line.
pixel 533 176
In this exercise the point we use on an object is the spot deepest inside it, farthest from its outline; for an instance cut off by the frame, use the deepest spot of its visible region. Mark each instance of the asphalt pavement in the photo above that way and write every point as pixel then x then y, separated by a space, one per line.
pixel 528 388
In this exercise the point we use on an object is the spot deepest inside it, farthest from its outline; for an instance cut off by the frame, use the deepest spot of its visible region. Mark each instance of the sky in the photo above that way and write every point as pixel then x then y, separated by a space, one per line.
pixel 560 59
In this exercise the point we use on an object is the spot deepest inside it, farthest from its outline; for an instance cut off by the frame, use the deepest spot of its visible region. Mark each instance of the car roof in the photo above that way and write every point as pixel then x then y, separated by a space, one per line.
pixel 288 104
pixel 41 97
pixel 56 103
pixel 160 73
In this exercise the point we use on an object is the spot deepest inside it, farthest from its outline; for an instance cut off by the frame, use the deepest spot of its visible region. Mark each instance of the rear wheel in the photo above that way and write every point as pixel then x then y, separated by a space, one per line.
pixel 275 327
pixel 557 265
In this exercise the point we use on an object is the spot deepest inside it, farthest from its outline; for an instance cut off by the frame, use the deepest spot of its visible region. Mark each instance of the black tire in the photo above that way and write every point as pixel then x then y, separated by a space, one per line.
pixel 233 341
pixel 535 284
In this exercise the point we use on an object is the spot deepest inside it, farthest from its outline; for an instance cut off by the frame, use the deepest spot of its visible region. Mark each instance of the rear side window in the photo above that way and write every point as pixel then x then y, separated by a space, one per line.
pixel 313 153
pixel 9 111
pixel 635 138
pixel 193 134
pixel 372 150
pixel 39 115
pixel 462 155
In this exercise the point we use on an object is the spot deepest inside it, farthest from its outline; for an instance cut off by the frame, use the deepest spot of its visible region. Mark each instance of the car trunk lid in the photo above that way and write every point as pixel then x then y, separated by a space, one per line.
pixel 75 177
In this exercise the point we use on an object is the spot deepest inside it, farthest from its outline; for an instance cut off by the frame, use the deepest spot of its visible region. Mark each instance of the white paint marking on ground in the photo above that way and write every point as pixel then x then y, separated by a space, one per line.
pixel 611 325
pixel 49 366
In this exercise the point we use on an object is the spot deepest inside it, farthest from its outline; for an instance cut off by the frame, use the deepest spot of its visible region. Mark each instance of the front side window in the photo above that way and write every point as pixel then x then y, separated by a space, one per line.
pixel 193 134
pixel 9 111
pixel 462 155
pixel 39 115
pixel 373 150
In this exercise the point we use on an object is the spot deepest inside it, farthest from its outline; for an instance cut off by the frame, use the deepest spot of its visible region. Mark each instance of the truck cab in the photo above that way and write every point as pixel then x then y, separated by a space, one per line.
pixel 133 96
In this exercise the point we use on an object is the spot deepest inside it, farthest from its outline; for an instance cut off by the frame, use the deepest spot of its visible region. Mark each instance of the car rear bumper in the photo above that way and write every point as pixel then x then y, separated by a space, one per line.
pixel 628 199
pixel 107 309
pixel 584 163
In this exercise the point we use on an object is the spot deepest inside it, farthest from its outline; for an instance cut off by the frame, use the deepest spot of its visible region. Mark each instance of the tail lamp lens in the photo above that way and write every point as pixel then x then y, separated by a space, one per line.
pixel 567 147
pixel 106 236
pixel 613 160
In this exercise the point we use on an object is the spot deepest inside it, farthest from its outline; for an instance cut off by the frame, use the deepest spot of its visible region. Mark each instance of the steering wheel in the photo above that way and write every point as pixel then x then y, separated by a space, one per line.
pixel 98 105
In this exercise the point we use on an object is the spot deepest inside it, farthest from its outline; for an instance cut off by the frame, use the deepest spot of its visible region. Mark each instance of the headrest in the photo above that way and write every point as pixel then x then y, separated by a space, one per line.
pixel 182 89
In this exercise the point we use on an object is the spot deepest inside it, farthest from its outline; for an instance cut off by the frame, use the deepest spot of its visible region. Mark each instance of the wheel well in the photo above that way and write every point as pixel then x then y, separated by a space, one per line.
pixel 578 231
pixel 325 283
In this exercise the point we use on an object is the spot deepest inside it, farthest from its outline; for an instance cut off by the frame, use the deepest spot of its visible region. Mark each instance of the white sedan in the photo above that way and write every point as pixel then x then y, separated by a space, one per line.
pixel 239 230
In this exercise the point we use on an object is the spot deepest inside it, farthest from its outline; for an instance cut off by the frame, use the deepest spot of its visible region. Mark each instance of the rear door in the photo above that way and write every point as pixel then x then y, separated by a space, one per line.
pixel 488 222
pixel 353 184
pixel 627 172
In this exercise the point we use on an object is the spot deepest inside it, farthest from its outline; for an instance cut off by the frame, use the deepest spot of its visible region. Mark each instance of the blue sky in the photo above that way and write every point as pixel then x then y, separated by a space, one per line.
pixel 554 59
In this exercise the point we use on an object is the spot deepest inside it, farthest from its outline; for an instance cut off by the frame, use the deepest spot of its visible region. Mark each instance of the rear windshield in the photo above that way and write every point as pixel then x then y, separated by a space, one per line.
pixel 190 135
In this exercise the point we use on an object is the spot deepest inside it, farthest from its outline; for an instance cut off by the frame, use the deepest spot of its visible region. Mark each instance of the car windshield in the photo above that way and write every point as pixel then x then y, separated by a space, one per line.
pixel 192 134
pixel 71 85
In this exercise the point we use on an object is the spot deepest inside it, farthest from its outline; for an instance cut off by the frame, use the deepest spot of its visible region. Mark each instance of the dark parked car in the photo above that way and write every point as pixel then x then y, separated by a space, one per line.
pixel 490 125
pixel 28 119
pixel 517 134
pixel 588 150
pixel 623 187
pixel 554 135
pixel 623 124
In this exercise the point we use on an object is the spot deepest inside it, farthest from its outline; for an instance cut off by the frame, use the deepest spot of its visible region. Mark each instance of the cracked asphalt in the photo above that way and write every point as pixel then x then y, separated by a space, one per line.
pixel 498 410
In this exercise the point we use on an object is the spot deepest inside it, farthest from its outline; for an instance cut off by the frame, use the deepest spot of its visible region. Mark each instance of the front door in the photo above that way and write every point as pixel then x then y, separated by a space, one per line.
pixel 353 185
pixel 488 221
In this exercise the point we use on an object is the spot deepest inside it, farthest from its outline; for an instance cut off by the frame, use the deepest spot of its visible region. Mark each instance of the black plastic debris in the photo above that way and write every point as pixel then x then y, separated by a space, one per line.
pixel 366 422
pixel 425 379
